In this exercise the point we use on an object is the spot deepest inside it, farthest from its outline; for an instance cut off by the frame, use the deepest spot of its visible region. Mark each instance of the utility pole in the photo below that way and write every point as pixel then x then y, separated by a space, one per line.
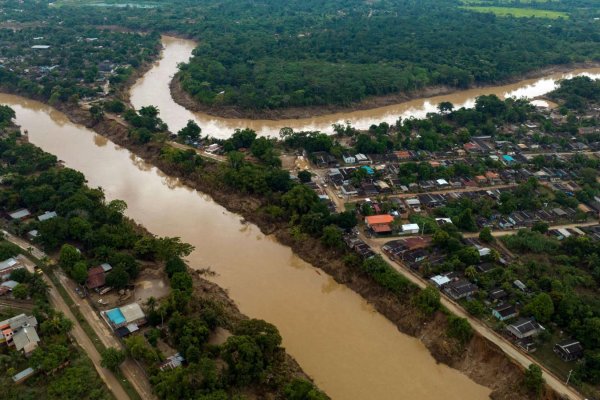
pixel 569 377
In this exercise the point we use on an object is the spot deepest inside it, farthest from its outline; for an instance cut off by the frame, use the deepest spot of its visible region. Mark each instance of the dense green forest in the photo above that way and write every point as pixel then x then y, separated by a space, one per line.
pixel 269 54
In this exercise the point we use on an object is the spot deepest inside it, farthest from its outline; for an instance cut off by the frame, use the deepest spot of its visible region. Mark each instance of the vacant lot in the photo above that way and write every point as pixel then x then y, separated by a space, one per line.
pixel 519 12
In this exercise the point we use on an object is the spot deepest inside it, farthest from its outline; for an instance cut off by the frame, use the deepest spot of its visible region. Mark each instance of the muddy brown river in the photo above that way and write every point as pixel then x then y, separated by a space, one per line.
pixel 351 351
pixel 153 89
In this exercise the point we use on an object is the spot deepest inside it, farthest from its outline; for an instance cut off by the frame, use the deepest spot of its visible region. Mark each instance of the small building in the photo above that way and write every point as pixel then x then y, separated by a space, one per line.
pixel 504 312
pixel 362 159
pixel 8 266
pixel 19 331
pixel 96 278
pixel 125 320
pixel 349 159
pixel 40 47
pixel 520 285
pixel 524 328
pixel 26 339
pixel 172 362
pixel 498 295
pixel 440 280
pixel 106 267
pixel 21 214
pixel 23 375
pixel 569 350
pixel 410 229
pixel 47 215
pixel 460 289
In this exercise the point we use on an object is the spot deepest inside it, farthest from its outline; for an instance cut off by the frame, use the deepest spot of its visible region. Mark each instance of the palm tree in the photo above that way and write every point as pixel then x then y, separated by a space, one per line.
pixel 151 303
pixel 471 273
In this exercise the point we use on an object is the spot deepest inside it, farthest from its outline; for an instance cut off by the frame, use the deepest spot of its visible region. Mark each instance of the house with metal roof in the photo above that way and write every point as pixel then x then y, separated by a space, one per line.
pixel 569 350
pixel 524 328
pixel 19 214
pixel 47 215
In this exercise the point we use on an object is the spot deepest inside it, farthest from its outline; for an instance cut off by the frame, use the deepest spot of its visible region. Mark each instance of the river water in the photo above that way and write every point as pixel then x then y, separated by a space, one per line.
pixel 153 89
pixel 351 351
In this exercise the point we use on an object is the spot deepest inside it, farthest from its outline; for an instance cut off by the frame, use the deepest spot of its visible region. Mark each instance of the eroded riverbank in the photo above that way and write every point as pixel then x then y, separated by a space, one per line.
pixel 350 350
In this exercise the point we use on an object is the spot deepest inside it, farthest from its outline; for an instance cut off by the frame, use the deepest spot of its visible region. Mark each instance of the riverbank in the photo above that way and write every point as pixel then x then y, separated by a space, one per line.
pixel 480 359
pixel 185 100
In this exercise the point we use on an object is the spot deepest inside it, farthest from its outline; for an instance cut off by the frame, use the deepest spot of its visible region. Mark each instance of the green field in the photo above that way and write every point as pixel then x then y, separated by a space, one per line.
pixel 519 12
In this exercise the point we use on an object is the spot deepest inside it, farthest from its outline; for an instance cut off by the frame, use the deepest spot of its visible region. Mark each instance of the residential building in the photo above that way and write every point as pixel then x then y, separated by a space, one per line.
pixel 524 328
pixel 504 312
pixel 460 289
pixel 569 350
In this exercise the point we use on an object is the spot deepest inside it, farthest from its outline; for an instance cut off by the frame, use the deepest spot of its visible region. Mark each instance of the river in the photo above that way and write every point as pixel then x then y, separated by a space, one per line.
pixel 351 351
pixel 153 89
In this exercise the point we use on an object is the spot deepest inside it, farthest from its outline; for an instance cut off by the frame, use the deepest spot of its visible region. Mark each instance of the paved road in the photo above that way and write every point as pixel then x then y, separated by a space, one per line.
pixel 508 348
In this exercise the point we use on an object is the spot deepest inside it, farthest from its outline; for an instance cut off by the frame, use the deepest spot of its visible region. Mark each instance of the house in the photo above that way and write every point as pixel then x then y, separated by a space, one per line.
pixel 96 278
pixel 440 280
pixel 19 331
pixel 497 295
pixel 349 190
pixel 520 285
pixel 504 312
pixel 349 159
pixel 460 289
pixel 379 224
pixel 172 362
pixel 47 215
pixel 126 319
pixel 8 266
pixel 26 339
pixel 362 159
pixel 21 214
pixel 524 328
pixel 106 267
pixel 410 229
pixel 569 350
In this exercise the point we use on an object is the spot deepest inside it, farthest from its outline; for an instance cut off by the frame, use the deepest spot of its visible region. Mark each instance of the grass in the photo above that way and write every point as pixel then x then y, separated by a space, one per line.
pixel 519 12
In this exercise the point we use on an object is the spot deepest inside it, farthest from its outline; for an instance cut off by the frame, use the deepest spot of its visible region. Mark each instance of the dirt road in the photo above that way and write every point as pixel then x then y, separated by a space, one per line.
pixel 132 371
pixel 508 348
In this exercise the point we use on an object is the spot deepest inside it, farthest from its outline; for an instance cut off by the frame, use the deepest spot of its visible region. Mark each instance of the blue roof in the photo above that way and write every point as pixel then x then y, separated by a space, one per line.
pixel 508 158
pixel 368 169
pixel 116 316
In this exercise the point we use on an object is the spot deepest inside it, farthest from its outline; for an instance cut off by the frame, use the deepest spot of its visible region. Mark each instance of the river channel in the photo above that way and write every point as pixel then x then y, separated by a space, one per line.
pixel 351 351
pixel 153 89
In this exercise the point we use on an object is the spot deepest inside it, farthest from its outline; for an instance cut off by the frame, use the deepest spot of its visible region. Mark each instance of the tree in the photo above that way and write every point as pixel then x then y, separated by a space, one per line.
pixel 118 278
pixel 20 291
pixel 470 273
pixel 69 255
pixel 182 281
pixel 332 237
pixel 534 381
pixel 304 176
pixel 428 300
pixel 459 328
pixel 244 360
pixel 112 358
pixel 79 272
pixel 541 307
pixel 97 113
pixel 174 265
pixel 49 358
pixel 300 389
pixel 540 226
pixel 137 348
pixel 189 133
pixel 445 107
pixel 486 235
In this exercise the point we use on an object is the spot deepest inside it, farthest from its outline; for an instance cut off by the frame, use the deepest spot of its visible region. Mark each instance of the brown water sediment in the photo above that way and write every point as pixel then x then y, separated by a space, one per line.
pixel 350 350
pixel 153 89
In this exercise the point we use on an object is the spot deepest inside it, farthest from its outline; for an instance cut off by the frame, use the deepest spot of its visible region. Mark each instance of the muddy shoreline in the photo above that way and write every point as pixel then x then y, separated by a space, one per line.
pixel 480 360
pixel 185 100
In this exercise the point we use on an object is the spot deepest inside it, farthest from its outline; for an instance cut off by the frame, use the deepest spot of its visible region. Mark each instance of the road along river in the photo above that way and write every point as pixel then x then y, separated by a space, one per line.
pixel 153 89
pixel 351 351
